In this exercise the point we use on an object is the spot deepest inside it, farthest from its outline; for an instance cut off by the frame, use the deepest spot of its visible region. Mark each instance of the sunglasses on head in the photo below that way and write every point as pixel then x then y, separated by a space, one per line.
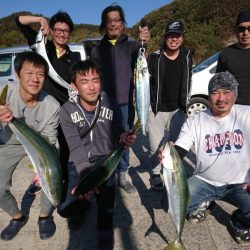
pixel 241 29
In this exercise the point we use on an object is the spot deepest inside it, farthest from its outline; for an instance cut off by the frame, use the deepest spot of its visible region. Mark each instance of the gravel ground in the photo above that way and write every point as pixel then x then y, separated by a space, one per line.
pixel 140 220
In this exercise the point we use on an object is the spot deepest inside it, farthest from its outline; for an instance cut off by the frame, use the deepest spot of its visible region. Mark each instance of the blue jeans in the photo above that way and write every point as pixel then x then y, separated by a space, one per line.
pixel 201 191
pixel 124 163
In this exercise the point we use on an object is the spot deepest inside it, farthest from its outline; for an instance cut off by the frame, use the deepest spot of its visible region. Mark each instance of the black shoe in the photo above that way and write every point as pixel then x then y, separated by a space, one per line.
pixel 239 228
pixel 201 213
pixel 12 229
pixel 47 227
pixel 156 182
pixel 127 187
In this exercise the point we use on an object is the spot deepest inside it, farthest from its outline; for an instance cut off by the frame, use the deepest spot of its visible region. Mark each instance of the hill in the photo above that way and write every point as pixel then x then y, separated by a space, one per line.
pixel 10 34
pixel 209 25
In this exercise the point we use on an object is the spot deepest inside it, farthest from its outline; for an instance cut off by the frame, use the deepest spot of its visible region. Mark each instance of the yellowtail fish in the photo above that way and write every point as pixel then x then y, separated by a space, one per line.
pixel 142 89
pixel 41 50
pixel 175 181
pixel 102 170
pixel 43 155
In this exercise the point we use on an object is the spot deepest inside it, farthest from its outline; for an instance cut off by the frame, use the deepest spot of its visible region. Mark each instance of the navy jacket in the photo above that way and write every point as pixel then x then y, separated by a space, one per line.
pixel 117 63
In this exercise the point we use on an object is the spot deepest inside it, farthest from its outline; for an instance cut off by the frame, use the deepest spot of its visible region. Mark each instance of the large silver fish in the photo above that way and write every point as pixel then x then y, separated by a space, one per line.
pixel 175 181
pixel 142 89
pixel 42 154
pixel 41 50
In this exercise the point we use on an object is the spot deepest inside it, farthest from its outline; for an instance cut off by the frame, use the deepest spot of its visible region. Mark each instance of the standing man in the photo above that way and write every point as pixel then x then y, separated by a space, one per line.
pixel 26 101
pixel 222 145
pixel 117 56
pixel 170 77
pixel 236 58
pixel 92 126
pixel 61 57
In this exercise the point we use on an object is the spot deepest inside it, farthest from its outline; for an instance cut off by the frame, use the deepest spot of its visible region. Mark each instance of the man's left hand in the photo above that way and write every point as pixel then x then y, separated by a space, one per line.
pixel 246 187
pixel 144 34
pixel 127 138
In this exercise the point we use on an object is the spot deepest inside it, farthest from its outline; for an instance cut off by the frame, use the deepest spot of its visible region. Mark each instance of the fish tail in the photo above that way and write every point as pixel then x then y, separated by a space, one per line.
pixel 176 245
pixel 3 95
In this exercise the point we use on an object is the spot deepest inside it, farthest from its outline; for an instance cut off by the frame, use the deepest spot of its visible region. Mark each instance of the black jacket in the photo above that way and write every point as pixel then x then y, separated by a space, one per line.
pixel 62 65
pixel 156 69
pixel 117 63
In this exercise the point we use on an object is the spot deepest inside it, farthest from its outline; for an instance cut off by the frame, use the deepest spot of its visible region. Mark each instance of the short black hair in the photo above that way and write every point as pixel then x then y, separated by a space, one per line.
pixel 83 67
pixel 61 17
pixel 32 57
pixel 113 7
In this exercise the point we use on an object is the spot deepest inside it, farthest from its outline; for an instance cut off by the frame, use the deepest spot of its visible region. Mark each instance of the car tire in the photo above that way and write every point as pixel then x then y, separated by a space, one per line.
pixel 197 104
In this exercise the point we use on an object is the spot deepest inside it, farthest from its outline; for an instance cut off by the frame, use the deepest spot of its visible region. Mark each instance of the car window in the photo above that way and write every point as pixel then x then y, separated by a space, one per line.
pixel 5 64
pixel 206 63
pixel 213 70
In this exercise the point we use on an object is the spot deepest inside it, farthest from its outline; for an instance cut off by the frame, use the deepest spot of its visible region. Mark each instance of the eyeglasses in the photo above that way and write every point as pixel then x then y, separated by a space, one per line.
pixel 241 29
pixel 115 20
pixel 59 31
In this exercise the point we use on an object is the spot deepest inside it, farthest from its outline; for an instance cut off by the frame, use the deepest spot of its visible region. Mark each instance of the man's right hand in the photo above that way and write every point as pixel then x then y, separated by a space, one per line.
pixel 5 113
pixel 44 26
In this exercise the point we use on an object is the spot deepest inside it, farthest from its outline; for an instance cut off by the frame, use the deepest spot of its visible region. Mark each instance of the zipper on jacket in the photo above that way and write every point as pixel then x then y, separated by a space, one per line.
pixel 158 82
pixel 188 92
pixel 91 132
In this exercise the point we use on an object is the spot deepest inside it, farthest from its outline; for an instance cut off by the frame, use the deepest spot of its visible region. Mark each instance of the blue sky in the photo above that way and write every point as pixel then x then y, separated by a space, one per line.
pixel 82 11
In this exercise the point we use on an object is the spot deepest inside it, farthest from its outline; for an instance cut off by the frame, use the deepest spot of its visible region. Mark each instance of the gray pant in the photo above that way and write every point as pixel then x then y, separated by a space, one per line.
pixel 163 127
pixel 10 155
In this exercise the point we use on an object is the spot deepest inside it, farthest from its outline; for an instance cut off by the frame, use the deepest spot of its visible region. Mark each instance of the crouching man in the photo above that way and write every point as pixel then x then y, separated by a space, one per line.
pixel 222 145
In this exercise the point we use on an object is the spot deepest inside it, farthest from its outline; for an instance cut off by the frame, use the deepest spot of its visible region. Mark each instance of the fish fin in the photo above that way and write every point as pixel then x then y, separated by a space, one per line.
pixel 3 95
pixel 176 245
pixel 31 167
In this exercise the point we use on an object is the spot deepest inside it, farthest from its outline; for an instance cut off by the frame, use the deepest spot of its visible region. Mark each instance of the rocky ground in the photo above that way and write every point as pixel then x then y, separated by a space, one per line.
pixel 140 220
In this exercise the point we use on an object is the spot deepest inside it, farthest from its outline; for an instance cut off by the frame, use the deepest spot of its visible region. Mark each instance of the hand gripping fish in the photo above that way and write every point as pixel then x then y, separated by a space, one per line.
pixel 142 89
pixel 102 170
pixel 42 154
pixel 175 181
pixel 41 50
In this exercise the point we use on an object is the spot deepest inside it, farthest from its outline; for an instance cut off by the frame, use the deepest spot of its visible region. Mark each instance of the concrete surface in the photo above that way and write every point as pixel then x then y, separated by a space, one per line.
pixel 140 221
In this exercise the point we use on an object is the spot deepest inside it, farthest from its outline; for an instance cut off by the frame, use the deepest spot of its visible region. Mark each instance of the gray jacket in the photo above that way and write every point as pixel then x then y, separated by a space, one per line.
pixel 44 117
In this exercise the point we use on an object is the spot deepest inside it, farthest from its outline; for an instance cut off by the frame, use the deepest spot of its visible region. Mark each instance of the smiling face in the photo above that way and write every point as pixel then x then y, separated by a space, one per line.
pixel 222 101
pixel 114 26
pixel 243 34
pixel 173 41
pixel 31 80
pixel 88 85
pixel 60 33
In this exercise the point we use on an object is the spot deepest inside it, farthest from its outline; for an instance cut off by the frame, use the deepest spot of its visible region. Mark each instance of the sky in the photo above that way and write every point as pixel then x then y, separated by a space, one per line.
pixel 82 11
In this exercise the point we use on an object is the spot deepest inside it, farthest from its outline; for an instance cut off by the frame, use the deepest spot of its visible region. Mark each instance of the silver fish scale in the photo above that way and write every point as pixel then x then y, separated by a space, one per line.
pixel 142 90
pixel 177 187
pixel 46 166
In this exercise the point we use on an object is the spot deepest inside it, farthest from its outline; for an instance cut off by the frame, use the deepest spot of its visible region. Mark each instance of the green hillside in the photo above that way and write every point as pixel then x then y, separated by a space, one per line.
pixel 209 25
